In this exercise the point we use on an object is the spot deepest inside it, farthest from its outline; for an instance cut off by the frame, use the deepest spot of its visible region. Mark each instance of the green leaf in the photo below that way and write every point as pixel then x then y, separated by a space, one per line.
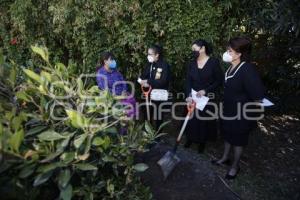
pixel 110 187
pixel 76 119
pixel 27 171
pixel 112 130
pixel 16 121
pixel 66 193
pixel 50 135
pixel 98 141
pixel 149 128
pixel 42 178
pixel 79 85
pixel 4 166
pixel 88 144
pixel 52 156
pixel 85 166
pixel 22 96
pixel 35 130
pixel 107 158
pixel 94 89
pixel 13 75
pixel 43 52
pixel 16 140
pixel 107 142
pixel 33 75
pixel 67 157
pixel 163 125
pixel 64 178
pixel 46 75
pixel 79 140
pixel 1 58
pixel 49 167
pixel 1 129
pixel 42 89
pixel 140 167
pixel 65 142
pixel 61 67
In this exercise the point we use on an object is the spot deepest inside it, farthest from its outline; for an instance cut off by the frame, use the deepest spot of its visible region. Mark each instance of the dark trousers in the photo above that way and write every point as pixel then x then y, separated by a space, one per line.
pixel 156 116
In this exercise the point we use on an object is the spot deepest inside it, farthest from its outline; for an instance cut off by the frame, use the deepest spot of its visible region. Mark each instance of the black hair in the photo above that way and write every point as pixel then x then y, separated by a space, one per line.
pixel 105 56
pixel 201 43
pixel 157 50
pixel 241 45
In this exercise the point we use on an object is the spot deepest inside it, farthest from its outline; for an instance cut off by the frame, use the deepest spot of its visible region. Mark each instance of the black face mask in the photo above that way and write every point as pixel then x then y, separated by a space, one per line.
pixel 196 54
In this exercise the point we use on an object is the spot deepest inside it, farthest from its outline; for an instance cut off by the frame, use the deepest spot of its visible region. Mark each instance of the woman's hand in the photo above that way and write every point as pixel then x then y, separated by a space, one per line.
pixel 144 83
pixel 189 99
pixel 201 93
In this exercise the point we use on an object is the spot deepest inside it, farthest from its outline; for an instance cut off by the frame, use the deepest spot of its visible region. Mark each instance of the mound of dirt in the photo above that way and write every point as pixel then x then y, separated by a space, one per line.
pixel 192 179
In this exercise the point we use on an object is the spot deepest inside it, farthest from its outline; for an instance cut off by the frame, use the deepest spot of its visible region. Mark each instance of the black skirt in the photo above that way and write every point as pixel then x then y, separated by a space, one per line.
pixel 236 131
pixel 236 137
pixel 202 130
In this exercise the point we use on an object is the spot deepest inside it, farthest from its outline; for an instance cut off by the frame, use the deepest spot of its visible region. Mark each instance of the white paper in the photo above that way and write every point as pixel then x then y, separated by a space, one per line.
pixel 266 103
pixel 139 80
pixel 200 101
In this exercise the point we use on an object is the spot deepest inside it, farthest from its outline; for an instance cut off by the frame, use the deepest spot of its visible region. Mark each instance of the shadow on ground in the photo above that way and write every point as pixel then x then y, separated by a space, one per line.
pixel 192 179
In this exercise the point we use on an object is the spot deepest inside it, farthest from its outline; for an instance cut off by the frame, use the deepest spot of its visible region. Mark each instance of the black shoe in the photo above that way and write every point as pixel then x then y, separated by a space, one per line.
pixel 226 162
pixel 201 147
pixel 188 143
pixel 231 177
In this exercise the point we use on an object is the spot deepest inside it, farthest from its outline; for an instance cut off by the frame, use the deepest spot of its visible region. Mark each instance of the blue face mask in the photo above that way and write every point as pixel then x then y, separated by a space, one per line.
pixel 113 64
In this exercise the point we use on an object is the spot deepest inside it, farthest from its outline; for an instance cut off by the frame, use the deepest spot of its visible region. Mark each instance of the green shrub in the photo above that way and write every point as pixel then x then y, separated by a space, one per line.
pixel 67 146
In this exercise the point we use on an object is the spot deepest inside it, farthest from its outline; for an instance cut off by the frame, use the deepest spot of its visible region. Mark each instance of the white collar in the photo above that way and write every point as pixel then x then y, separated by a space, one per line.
pixel 226 74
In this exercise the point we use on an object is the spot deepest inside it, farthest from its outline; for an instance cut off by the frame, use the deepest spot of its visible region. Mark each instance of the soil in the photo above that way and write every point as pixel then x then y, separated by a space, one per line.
pixel 270 166
pixel 192 179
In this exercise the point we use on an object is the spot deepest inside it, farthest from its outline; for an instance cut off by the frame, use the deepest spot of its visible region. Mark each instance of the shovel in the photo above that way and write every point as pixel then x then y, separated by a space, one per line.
pixel 146 94
pixel 170 159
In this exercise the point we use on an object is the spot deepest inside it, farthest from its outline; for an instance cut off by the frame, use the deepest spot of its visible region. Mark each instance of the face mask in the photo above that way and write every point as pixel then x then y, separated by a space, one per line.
pixel 196 54
pixel 112 64
pixel 227 57
pixel 150 59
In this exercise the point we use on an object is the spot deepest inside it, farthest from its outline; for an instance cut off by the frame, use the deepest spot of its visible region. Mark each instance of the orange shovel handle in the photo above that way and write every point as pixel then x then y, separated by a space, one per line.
pixel 191 107
pixel 146 92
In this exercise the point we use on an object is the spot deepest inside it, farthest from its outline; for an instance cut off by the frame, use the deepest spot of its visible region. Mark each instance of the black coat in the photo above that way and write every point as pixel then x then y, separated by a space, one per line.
pixel 209 78
pixel 243 85
pixel 158 74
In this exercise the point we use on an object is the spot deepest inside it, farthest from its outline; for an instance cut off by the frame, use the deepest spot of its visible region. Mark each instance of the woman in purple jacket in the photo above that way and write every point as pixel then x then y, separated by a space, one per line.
pixel 108 77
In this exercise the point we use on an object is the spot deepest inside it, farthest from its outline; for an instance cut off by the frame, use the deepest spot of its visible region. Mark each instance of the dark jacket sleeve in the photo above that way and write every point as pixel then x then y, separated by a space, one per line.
pixel 252 83
pixel 164 79
pixel 188 82
pixel 146 73
pixel 218 77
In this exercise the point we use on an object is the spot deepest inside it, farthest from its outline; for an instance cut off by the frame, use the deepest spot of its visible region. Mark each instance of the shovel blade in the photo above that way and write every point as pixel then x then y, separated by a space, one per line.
pixel 168 162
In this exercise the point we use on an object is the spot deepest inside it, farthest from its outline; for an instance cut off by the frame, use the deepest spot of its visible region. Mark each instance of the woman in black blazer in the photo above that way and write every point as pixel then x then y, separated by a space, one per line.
pixel 243 90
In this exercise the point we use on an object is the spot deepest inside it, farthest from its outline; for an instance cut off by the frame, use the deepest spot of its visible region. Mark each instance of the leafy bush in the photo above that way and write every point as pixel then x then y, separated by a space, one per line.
pixel 60 136
pixel 77 31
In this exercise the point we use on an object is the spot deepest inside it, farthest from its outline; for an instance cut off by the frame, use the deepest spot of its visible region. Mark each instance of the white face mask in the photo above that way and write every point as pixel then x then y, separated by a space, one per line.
pixel 150 58
pixel 227 57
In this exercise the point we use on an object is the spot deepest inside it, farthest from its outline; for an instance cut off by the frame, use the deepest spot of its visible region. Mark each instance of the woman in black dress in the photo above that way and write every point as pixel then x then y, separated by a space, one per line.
pixel 242 87
pixel 204 76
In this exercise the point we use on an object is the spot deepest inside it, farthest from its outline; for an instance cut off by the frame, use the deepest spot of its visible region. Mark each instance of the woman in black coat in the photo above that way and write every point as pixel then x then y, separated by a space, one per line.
pixel 243 90
pixel 204 76
pixel 157 74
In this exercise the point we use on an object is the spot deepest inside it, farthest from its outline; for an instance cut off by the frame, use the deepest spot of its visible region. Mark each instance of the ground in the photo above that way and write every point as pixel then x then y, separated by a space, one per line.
pixel 192 179
pixel 270 167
